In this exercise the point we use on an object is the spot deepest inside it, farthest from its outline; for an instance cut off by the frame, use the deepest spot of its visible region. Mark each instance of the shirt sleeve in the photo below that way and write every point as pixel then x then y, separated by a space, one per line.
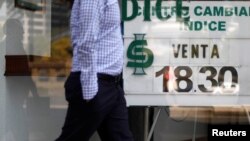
pixel 84 30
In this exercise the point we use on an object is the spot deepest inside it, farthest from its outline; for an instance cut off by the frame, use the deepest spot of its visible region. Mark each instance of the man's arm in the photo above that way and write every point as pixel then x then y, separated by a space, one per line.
pixel 84 27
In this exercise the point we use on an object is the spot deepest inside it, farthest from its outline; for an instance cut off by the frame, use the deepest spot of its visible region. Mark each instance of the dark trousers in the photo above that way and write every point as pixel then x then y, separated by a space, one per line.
pixel 106 113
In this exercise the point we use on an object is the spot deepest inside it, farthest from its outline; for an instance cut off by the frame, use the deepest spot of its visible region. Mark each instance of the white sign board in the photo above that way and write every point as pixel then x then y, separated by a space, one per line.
pixel 186 53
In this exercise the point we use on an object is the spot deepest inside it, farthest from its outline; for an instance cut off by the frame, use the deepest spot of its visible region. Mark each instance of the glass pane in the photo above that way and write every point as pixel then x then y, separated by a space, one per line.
pixel 35 60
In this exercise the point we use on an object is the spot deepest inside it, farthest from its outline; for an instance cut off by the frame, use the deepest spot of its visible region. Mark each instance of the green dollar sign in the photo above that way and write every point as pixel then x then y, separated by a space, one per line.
pixel 143 57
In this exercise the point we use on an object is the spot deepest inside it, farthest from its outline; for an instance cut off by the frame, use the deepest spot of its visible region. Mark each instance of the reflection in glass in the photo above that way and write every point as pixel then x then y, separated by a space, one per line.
pixel 22 100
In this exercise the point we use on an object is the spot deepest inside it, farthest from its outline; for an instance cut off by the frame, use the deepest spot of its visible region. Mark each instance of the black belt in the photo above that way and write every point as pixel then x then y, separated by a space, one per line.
pixel 109 78
pixel 101 76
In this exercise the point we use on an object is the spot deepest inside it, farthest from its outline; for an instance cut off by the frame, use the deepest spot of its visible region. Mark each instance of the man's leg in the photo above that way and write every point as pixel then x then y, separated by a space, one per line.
pixel 79 124
pixel 83 118
pixel 115 127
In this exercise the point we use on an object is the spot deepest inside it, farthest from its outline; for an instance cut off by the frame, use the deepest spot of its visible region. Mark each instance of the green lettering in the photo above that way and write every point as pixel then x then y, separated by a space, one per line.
pixel 212 26
pixel 197 10
pixel 165 10
pixel 222 26
pixel 188 26
pixel 173 10
pixel 153 10
pixel 218 11
pixel 179 10
pixel 125 17
pixel 207 12
pixel 228 11
pixel 243 11
pixel 198 25
pixel 236 11
pixel 147 11
pixel 139 11
pixel 158 11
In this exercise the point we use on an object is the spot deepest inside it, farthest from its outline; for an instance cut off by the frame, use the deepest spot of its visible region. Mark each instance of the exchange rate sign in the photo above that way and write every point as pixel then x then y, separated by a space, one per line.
pixel 186 52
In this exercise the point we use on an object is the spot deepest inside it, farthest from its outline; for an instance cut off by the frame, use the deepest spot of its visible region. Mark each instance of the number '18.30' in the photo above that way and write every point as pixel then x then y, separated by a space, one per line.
pixel 210 72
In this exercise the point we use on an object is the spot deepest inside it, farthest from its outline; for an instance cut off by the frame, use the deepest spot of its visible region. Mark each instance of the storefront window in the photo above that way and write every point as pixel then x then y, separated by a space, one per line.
pixel 36 55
